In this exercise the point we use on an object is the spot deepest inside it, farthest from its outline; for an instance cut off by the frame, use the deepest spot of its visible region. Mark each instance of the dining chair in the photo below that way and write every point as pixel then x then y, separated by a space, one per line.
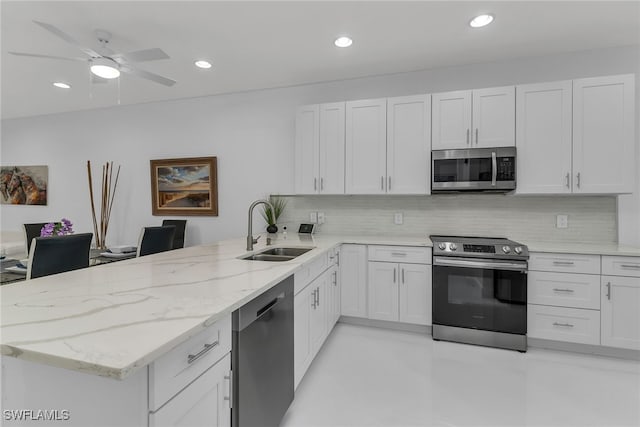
pixel 178 238
pixel 57 254
pixel 156 239
pixel 31 231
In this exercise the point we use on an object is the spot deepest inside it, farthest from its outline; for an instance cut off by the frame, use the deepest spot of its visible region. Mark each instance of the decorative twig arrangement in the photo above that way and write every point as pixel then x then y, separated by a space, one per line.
pixel 108 187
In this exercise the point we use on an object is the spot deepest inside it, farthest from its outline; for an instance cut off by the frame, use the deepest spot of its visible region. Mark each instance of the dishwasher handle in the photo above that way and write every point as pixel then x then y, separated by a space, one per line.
pixel 269 306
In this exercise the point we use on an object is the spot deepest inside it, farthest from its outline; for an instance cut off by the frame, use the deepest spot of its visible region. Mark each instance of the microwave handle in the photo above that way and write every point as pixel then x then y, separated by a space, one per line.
pixel 494 168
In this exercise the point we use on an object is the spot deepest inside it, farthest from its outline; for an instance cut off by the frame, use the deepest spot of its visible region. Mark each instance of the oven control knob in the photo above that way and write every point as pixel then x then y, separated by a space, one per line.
pixel 442 246
pixel 453 246
pixel 518 250
pixel 506 249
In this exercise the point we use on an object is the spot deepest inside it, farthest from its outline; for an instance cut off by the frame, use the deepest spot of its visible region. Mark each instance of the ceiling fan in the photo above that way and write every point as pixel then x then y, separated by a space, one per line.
pixel 104 62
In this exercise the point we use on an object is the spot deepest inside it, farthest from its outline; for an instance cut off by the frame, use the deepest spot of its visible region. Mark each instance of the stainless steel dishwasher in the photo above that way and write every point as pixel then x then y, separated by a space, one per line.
pixel 262 358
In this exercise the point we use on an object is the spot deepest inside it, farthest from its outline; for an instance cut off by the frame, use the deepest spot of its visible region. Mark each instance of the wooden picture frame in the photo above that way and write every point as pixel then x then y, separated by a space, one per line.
pixel 186 186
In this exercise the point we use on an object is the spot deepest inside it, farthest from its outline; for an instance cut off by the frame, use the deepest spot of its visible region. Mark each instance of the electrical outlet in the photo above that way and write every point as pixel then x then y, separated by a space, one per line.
pixel 562 221
pixel 313 217
pixel 398 218
pixel 320 217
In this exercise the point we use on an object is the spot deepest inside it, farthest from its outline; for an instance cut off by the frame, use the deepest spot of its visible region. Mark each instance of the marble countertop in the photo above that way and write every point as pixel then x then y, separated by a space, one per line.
pixel 113 319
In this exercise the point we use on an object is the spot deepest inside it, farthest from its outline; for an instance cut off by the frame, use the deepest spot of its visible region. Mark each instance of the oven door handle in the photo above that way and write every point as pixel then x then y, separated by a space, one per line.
pixel 494 167
pixel 474 263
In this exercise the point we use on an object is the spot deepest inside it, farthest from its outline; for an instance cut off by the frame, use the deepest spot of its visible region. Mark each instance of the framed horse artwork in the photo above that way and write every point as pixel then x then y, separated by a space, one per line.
pixel 23 185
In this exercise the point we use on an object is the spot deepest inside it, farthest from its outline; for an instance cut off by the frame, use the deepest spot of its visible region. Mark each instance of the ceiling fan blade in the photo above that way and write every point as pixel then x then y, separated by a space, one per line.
pixel 36 55
pixel 147 75
pixel 153 54
pixel 64 36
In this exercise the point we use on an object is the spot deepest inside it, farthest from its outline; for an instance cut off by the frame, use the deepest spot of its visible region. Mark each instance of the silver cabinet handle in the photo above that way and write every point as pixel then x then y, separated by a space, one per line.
pixel 563 290
pixel 382 182
pixel 335 278
pixel 494 166
pixel 566 325
pixel 403 275
pixel 567 178
pixel 313 301
pixel 338 259
pixel 578 180
pixel 207 347
pixel 321 184
pixel 467 136
pixel 398 254
pixel 477 136
pixel 562 262
pixel 630 265
pixel 230 397
pixel 318 294
pixel 394 275
pixel 315 184
pixel 389 183
pixel 609 291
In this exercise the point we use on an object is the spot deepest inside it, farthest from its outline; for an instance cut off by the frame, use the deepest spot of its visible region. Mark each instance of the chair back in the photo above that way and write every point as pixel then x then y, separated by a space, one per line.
pixel 178 238
pixel 31 231
pixel 57 254
pixel 156 239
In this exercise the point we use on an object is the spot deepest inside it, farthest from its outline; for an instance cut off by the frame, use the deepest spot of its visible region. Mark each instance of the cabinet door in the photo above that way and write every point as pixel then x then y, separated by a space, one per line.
pixel 353 275
pixel 409 145
pixel 337 294
pixel 603 141
pixel 204 402
pixel 307 149
pixel 383 290
pixel 304 302
pixel 451 120
pixel 543 138
pixel 318 322
pixel 494 117
pixel 366 152
pixel 332 148
pixel 620 312
pixel 415 294
pixel 333 298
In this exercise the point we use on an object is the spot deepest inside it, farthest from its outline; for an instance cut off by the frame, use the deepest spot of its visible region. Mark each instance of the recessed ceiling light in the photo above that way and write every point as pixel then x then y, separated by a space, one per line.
pixel 203 64
pixel 105 68
pixel 481 21
pixel 62 85
pixel 343 41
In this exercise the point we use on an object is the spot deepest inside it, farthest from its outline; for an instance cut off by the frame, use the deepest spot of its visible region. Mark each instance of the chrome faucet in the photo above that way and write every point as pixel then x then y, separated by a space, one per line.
pixel 250 240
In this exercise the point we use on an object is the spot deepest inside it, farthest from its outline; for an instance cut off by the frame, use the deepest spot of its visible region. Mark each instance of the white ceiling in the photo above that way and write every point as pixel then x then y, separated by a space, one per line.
pixel 265 44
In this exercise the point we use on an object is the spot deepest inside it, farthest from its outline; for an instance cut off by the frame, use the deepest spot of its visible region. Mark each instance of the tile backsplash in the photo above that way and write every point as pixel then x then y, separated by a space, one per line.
pixel 591 218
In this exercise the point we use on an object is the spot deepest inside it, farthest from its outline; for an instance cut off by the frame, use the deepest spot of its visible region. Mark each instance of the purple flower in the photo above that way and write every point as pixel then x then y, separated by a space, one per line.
pixel 57 228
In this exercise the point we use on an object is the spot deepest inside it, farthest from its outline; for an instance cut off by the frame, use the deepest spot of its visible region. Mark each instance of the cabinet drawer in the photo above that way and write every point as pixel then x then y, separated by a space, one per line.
pixel 563 324
pixel 310 271
pixel 408 254
pixel 621 266
pixel 564 289
pixel 564 263
pixel 176 369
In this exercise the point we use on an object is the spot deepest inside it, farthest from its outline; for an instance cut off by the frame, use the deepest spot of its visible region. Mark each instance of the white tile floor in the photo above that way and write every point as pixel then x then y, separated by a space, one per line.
pixel 369 376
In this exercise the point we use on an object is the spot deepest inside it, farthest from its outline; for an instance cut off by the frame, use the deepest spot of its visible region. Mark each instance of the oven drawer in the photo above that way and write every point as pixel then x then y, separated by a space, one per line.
pixel 406 254
pixel 564 263
pixel 175 370
pixel 621 266
pixel 563 324
pixel 564 289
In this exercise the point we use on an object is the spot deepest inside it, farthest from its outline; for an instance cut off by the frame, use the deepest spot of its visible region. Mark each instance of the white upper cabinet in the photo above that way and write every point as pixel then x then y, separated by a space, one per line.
pixel 603 141
pixel 319 149
pixel 409 145
pixel 480 118
pixel 494 117
pixel 307 149
pixel 366 151
pixel 543 138
pixel 451 120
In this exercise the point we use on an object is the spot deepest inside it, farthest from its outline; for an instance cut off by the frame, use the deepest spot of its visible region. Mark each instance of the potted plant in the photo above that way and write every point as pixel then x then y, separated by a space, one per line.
pixel 271 215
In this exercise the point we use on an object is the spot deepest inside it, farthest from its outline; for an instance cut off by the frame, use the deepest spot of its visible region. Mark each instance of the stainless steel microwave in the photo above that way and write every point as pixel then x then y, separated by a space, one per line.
pixel 475 169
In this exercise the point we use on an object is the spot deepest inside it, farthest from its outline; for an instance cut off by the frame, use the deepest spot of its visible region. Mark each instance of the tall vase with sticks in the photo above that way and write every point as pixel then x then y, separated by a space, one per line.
pixel 108 188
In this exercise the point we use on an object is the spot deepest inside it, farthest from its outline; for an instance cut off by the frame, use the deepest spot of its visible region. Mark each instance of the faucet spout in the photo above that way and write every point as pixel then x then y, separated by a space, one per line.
pixel 250 240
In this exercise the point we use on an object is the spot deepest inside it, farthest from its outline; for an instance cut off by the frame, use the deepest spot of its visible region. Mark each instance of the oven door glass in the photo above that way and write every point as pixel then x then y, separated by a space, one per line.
pixel 478 298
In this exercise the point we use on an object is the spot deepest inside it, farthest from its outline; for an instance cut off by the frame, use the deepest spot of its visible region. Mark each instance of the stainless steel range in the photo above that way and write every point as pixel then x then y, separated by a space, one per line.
pixel 480 291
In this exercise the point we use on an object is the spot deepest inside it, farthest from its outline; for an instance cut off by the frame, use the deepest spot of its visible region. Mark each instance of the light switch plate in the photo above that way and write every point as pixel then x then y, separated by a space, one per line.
pixel 398 218
pixel 562 221
pixel 313 217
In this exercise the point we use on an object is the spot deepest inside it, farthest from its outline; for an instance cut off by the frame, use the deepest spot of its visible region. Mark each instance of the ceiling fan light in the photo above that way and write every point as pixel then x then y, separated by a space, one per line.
pixel 105 68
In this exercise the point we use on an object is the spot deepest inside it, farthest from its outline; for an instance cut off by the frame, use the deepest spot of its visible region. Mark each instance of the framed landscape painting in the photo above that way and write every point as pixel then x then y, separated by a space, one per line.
pixel 185 186
pixel 23 185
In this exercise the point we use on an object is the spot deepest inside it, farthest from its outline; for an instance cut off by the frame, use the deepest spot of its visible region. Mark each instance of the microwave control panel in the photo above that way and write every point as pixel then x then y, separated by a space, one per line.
pixel 506 169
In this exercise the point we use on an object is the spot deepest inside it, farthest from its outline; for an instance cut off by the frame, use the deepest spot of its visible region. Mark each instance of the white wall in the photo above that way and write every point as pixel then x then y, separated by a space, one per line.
pixel 252 135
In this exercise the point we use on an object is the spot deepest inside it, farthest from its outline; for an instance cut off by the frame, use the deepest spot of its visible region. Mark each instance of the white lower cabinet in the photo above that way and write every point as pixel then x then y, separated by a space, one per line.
pixel 353 278
pixel 563 324
pixel 621 312
pixel 203 402
pixel 383 291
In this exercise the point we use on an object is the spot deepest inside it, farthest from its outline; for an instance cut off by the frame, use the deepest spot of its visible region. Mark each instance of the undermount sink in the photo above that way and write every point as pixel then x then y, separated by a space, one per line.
pixel 276 254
